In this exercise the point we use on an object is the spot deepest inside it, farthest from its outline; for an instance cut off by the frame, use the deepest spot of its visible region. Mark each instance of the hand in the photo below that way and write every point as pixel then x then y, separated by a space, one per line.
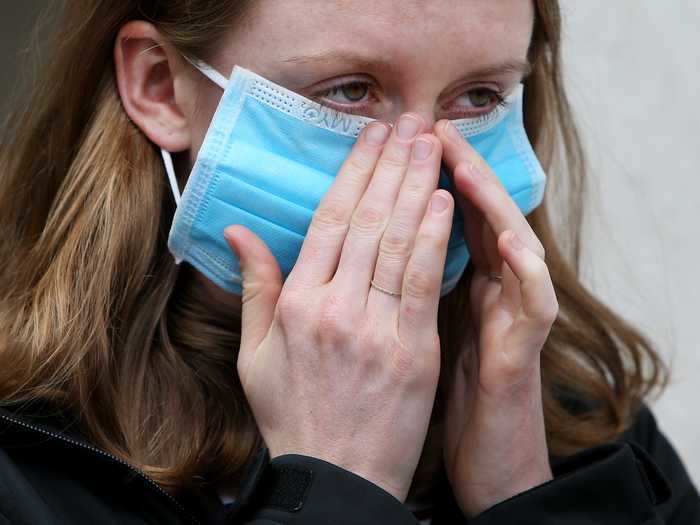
pixel 495 442
pixel 334 368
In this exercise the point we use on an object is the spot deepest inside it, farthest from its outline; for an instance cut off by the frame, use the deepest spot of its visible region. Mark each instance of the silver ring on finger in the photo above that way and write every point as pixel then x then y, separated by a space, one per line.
pixel 375 285
pixel 495 277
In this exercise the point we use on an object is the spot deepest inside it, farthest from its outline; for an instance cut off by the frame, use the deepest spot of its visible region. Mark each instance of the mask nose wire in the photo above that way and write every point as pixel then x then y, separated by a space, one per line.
pixel 218 79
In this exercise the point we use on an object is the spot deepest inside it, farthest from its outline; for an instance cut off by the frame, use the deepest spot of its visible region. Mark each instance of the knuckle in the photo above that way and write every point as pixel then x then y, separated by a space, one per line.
pixel 330 216
pixel 544 315
pixel 478 168
pixel 540 251
pixel 540 271
pixel 546 311
pixel 241 370
pixel 391 163
pixel 433 239
pixel 414 189
pixel 412 313
pixel 333 325
pixel 368 219
pixel 403 366
pixel 550 312
pixel 356 166
pixel 373 342
pixel 418 369
pixel 419 284
pixel 396 243
pixel 289 309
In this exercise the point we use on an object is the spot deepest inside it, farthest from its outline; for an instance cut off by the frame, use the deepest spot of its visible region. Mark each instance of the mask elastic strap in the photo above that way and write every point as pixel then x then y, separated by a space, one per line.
pixel 170 170
pixel 209 72
pixel 218 79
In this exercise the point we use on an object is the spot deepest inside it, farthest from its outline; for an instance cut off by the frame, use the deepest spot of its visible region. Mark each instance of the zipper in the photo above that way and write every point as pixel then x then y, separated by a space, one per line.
pixel 94 450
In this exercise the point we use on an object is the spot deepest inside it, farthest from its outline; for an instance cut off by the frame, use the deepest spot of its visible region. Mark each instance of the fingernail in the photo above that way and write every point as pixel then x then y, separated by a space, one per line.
pixel 451 131
pixel 422 149
pixel 227 233
pixel 515 241
pixel 377 134
pixel 438 203
pixel 408 127
pixel 232 244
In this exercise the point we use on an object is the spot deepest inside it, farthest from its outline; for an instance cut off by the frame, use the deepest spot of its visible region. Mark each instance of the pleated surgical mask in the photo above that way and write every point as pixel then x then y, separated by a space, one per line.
pixel 270 155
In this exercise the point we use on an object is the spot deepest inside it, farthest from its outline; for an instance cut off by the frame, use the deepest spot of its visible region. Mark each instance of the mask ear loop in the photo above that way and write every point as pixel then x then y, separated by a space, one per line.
pixel 218 79
pixel 170 170
pixel 209 72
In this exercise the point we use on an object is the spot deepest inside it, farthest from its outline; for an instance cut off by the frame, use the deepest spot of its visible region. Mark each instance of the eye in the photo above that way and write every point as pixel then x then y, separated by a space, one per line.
pixel 348 93
pixel 480 97
pixel 476 102
pixel 353 97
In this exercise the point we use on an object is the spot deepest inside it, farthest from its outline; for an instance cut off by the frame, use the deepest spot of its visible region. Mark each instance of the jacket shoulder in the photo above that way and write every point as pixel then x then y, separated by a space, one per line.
pixel 683 499
pixel 19 500
pixel 51 478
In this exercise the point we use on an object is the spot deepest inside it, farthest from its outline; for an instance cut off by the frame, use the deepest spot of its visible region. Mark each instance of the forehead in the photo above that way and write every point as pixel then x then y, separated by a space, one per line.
pixel 413 33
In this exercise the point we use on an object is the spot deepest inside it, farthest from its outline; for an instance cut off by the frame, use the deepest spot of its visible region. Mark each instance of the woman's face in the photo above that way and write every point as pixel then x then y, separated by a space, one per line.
pixel 379 58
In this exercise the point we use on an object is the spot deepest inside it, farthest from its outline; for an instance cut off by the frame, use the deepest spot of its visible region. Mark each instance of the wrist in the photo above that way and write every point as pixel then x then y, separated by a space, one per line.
pixel 481 498
pixel 515 459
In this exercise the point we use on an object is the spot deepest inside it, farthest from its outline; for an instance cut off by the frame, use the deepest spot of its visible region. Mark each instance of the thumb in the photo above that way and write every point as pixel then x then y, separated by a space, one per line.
pixel 262 284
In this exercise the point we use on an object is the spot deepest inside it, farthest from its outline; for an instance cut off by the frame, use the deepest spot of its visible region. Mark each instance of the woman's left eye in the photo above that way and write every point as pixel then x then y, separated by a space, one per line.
pixel 479 99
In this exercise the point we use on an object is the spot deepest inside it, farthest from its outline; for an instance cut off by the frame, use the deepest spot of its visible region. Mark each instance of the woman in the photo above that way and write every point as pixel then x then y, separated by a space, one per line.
pixel 137 389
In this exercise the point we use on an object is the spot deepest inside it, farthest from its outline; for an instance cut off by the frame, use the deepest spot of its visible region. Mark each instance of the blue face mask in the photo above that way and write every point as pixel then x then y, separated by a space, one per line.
pixel 270 155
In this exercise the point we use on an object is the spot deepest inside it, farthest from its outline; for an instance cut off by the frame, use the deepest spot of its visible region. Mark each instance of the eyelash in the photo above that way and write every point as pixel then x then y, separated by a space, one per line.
pixel 498 95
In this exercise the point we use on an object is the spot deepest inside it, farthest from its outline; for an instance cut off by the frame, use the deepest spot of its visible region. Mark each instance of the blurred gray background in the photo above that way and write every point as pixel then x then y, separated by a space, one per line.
pixel 632 75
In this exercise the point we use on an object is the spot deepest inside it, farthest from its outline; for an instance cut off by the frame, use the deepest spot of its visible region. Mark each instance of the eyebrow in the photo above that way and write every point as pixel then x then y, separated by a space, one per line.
pixel 511 66
pixel 340 56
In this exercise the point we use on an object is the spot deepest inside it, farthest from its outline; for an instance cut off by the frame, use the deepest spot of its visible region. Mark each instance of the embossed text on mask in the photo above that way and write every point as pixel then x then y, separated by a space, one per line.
pixel 330 118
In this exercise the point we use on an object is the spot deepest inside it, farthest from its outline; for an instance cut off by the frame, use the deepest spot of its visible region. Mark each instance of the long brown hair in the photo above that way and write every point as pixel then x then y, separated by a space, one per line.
pixel 96 318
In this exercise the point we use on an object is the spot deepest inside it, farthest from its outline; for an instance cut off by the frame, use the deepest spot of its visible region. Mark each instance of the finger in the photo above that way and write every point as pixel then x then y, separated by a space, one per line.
pixel 539 302
pixel 370 219
pixel 490 248
pixel 475 179
pixel 510 297
pixel 473 228
pixel 320 252
pixel 396 244
pixel 423 277
pixel 262 284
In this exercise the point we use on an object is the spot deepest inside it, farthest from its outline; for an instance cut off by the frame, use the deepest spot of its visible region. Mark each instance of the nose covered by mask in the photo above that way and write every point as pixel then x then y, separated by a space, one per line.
pixel 271 154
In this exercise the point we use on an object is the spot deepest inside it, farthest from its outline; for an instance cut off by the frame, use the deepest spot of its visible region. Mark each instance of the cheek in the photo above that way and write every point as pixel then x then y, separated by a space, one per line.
pixel 200 120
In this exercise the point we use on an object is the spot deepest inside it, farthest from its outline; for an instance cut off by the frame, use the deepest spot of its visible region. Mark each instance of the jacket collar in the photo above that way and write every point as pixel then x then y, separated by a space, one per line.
pixel 46 427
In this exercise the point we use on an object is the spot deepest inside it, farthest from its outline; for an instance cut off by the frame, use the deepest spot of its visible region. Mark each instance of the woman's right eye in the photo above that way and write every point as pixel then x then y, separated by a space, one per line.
pixel 353 92
pixel 350 97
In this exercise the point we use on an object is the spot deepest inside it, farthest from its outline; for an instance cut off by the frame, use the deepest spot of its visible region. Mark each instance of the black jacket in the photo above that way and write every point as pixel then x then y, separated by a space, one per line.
pixel 50 476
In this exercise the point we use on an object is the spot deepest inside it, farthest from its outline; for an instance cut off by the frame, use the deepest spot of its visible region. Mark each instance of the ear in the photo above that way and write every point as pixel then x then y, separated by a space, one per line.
pixel 149 71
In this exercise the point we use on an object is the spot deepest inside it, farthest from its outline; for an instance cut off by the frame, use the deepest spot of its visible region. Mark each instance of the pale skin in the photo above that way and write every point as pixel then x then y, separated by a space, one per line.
pixel 421 63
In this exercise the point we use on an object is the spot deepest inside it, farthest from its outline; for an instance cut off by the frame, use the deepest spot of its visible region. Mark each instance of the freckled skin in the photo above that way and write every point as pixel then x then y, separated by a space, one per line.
pixel 430 46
